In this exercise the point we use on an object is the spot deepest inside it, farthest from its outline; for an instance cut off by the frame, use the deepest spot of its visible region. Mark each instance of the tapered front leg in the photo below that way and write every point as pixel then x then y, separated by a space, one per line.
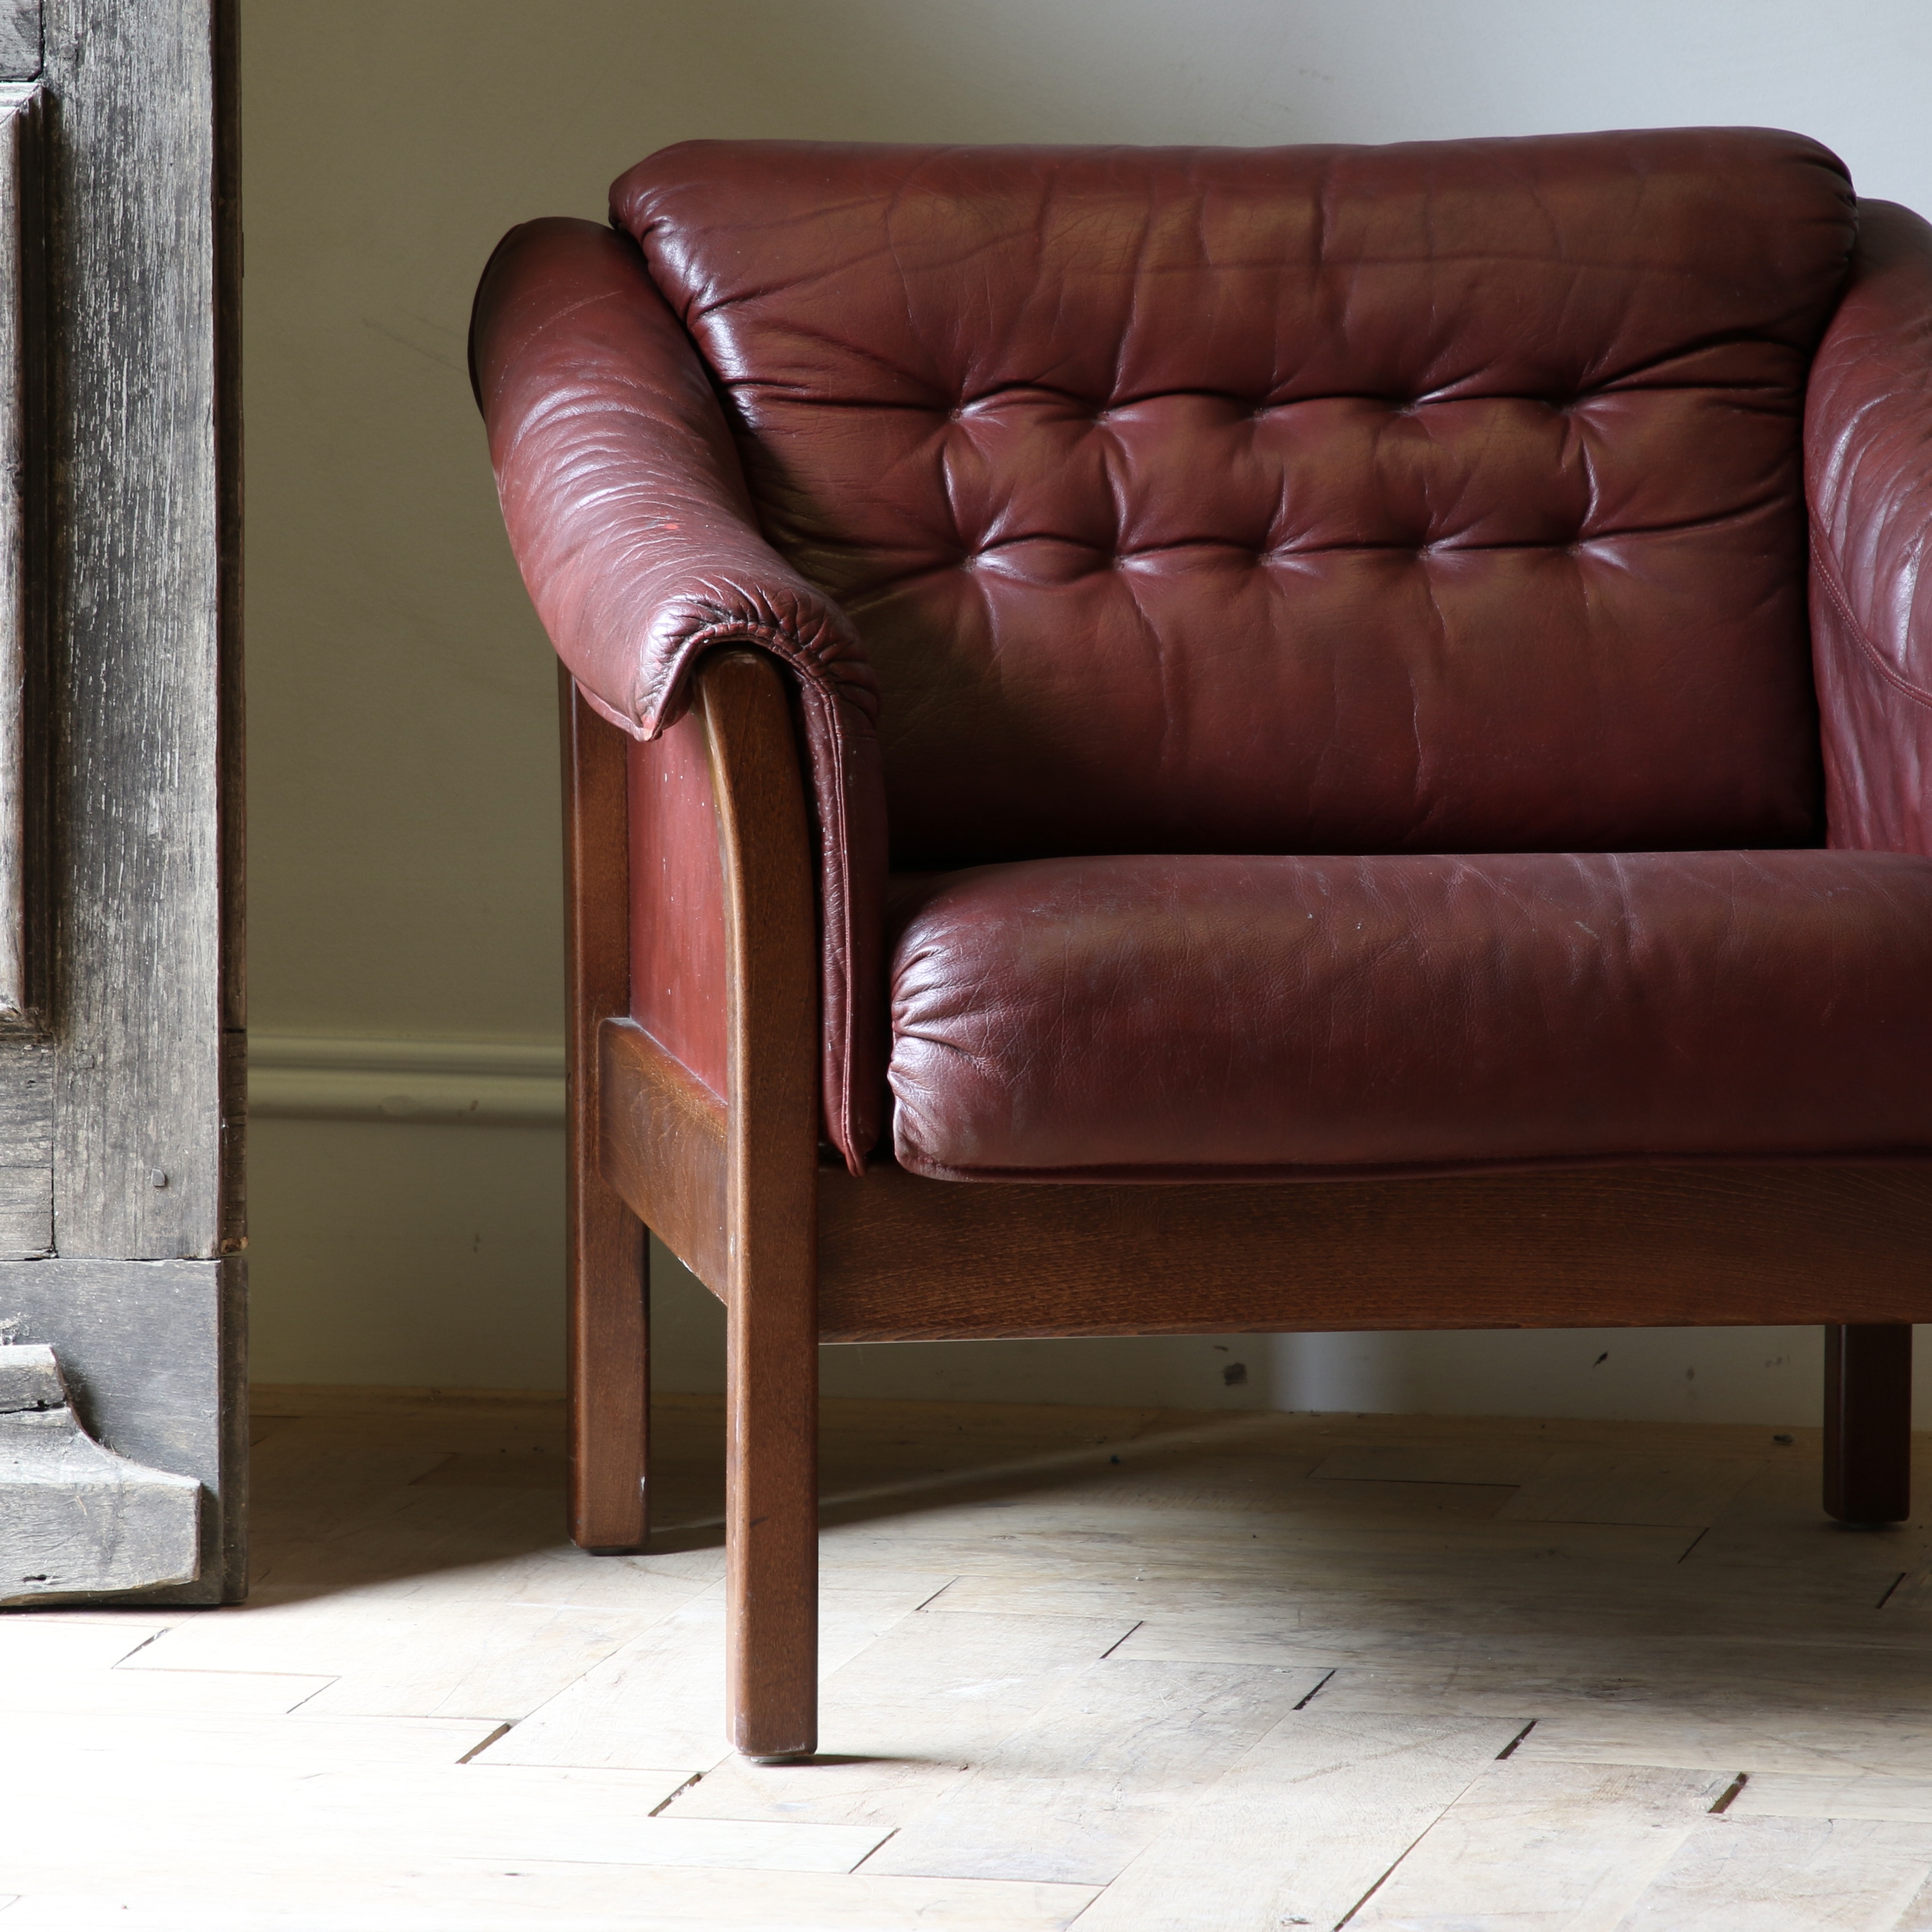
pixel 1868 1423
pixel 772 1486
pixel 771 1210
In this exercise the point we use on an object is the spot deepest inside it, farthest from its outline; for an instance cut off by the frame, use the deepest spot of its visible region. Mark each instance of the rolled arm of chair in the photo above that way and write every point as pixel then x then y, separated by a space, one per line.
pixel 1868 472
pixel 628 515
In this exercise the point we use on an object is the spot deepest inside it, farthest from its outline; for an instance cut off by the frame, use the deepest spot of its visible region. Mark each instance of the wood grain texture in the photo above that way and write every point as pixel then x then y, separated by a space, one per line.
pixel 152 1353
pixel 122 851
pixel 1576 1845
pixel 663 1147
pixel 26 1063
pixel 1683 1491
pixel 902 1258
pixel 1035 1805
pixel 79 1519
pixel 1791 1875
pixel 933 1696
pixel 1883 1798
pixel 772 1344
pixel 677 901
pixel 1825 1744
pixel 20 39
pixel 1868 1423
pixel 22 560
pixel 490 1662
pixel 143 554
pixel 659 1702
pixel 608 1258
pixel 1363 1790
pixel 26 1149
pixel 231 705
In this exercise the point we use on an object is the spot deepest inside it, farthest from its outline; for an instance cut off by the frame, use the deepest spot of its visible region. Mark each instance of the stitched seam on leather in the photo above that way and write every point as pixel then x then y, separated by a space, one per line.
pixel 785 643
pixel 1876 657
pixel 817 661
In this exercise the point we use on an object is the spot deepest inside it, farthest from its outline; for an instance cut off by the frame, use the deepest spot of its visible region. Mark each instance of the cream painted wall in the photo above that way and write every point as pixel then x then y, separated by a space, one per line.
pixel 403 802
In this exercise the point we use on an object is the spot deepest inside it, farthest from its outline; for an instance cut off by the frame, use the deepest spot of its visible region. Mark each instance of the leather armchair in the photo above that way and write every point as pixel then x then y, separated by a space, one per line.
pixel 1350 721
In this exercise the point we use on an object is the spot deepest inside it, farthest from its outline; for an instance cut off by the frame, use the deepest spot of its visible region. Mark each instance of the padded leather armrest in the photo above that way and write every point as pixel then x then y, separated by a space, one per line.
pixel 628 512
pixel 1868 468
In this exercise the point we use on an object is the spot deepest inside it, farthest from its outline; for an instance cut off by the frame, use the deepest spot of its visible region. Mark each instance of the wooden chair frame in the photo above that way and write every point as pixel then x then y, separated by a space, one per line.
pixel 801 1252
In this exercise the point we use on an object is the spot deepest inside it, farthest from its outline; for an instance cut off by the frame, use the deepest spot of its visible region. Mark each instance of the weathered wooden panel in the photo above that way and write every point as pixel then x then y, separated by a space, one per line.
pixel 26 1103
pixel 75 1518
pixel 26 1149
pixel 231 708
pixel 26 1213
pixel 152 1354
pixel 20 39
pixel 141 566
pixel 22 571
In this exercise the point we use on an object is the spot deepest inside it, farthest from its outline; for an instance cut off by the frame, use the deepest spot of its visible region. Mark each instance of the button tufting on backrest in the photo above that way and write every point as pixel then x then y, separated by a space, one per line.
pixel 1531 570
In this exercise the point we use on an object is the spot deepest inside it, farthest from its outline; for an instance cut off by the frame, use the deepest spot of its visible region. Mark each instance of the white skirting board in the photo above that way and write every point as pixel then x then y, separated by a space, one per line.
pixel 328 1077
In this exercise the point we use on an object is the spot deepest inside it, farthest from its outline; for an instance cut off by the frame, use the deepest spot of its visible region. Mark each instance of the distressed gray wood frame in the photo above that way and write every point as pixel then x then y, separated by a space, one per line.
pixel 121 1122
pixel 22 558
pixel 153 1352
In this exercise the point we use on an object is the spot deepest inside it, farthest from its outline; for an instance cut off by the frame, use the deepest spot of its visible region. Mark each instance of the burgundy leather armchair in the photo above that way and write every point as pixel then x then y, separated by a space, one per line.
pixel 1198 739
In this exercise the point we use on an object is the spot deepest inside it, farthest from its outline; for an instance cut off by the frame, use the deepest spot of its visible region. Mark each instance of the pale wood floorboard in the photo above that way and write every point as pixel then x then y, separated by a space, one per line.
pixel 317 1893
pixel 1097 1775
pixel 274 1743
pixel 30 1645
pixel 1557 1845
pixel 660 1701
pixel 1121 1670
pixel 1772 1874
pixel 1300 1830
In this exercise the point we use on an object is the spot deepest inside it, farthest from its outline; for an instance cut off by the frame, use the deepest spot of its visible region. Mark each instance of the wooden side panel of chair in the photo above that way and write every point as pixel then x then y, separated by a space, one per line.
pixel 608 1360
pixel 678 970
pixel 663 1148
pixel 771 1210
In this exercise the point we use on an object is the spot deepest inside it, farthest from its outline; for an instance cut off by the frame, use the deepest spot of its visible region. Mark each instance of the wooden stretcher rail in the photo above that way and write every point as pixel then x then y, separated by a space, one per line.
pixel 662 1145
pixel 901 1258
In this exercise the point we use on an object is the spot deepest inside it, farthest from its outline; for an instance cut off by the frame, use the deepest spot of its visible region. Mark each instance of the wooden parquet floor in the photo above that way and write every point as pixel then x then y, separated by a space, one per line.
pixel 1124 1670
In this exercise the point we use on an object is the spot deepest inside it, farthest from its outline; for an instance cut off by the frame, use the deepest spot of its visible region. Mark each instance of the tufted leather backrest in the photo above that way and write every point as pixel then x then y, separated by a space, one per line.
pixel 1439 497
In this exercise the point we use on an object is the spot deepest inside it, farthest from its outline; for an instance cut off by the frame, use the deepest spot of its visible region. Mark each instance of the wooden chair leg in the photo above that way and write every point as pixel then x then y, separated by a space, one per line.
pixel 608 1361
pixel 772 1210
pixel 772 1525
pixel 609 1369
pixel 1868 1423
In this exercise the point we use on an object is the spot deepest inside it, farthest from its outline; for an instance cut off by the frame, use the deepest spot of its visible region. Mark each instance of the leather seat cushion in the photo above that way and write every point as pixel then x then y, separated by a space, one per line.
pixel 1204 1017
